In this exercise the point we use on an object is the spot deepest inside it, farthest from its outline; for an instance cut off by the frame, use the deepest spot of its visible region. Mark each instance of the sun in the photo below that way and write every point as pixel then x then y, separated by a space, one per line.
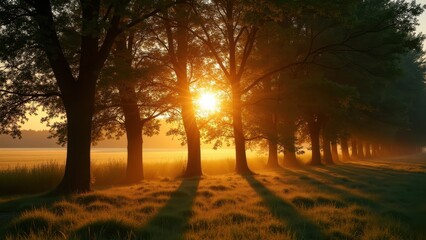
pixel 207 103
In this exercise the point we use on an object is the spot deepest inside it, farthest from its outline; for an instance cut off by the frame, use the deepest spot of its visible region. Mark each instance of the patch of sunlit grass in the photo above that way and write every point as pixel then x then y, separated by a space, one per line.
pixel 356 200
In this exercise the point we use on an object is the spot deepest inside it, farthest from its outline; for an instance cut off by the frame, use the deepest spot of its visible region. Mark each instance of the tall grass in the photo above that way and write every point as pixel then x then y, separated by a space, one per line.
pixel 24 179
pixel 29 179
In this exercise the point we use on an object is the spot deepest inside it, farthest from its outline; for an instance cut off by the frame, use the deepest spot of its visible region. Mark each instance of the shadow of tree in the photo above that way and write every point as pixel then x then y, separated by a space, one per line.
pixel 171 220
pixel 397 194
pixel 300 226
pixel 14 207
pixel 19 204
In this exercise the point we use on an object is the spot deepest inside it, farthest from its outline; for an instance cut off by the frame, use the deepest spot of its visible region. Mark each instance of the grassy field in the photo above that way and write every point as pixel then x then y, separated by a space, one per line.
pixel 375 199
pixel 28 157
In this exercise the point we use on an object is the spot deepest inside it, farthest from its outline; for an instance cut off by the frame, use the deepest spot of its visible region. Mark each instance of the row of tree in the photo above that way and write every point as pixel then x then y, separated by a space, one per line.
pixel 287 71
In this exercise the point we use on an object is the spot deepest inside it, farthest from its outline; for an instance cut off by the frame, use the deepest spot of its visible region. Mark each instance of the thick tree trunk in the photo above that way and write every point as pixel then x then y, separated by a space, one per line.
pixel 126 85
pixel 375 150
pixel 354 149
pixel 192 132
pixel 360 149
pixel 327 159
pixel 132 123
pixel 77 94
pixel 345 149
pixel 272 154
pixel 179 57
pixel 334 151
pixel 193 167
pixel 134 170
pixel 240 145
pixel 290 159
pixel 314 133
pixel 367 150
pixel 79 111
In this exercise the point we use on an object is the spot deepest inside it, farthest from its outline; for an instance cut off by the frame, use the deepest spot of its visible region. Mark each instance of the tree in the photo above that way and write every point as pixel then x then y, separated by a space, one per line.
pixel 178 43
pixel 128 83
pixel 75 67
pixel 228 20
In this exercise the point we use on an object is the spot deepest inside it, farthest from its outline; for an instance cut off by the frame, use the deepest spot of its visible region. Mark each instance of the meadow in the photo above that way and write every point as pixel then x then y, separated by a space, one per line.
pixel 365 199
pixel 32 170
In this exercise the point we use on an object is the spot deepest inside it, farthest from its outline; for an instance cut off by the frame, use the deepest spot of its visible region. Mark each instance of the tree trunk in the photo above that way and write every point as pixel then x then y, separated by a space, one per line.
pixel 360 149
pixel 334 151
pixel 327 159
pixel 271 122
pixel 134 170
pixel 272 154
pixel 354 149
pixel 132 123
pixel 126 85
pixel 237 124
pixel 375 150
pixel 179 58
pixel 290 159
pixel 345 149
pixel 193 167
pixel 314 133
pixel 367 150
pixel 77 94
pixel 79 111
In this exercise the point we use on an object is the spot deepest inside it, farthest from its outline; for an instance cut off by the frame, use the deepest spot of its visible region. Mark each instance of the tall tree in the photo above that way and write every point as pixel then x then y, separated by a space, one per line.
pixel 178 42
pixel 228 20
pixel 75 67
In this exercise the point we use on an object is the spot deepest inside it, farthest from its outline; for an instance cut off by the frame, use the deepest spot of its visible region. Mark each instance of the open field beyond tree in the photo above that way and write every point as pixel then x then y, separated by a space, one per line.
pixel 374 199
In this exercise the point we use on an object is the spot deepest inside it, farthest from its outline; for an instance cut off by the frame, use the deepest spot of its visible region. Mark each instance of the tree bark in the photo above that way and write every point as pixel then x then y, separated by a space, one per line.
pixel 367 150
pixel 334 151
pixel 345 149
pixel 272 154
pixel 192 132
pixel 327 159
pixel 79 111
pixel 288 138
pixel 354 149
pixel 314 133
pixel 237 124
pixel 133 126
pixel 375 150
pixel 360 149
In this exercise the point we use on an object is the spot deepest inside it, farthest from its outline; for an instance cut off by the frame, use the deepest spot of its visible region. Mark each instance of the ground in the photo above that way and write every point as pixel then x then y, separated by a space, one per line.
pixel 369 199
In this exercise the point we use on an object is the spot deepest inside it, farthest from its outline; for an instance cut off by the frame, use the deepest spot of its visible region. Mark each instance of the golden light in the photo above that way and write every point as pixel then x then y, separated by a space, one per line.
pixel 207 103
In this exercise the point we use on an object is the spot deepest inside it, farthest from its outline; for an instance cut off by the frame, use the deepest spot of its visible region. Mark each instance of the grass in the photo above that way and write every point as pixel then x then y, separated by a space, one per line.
pixel 376 199
pixel 42 177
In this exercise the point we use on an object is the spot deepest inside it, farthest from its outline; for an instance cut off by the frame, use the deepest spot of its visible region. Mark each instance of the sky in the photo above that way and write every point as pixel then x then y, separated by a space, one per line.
pixel 34 121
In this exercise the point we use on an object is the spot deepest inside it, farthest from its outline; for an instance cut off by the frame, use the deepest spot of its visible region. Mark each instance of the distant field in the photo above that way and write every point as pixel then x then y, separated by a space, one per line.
pixel 11 157
pixel 381 199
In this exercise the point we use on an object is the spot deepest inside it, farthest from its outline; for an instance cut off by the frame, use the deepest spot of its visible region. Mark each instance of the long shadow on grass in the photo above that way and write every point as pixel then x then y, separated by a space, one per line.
pixel 302 227
pixel 398 192
pixel 171 220
pixel 11 208
pixel 313 176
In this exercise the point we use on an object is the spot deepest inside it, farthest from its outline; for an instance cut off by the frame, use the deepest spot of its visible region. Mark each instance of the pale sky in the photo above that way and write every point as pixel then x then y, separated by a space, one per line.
pixel 422 19
pixel 34 121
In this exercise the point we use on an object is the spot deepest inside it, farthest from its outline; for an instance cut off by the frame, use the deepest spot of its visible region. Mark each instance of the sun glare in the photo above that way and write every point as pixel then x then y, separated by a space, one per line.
pixel 207 103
